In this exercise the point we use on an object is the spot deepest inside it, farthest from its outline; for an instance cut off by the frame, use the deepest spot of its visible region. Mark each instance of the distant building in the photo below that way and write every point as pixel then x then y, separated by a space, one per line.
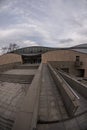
pixel 72 60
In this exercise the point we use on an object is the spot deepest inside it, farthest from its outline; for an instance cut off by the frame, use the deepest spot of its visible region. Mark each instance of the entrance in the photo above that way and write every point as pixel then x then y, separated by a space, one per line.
pixel 31 59
pixel 81 72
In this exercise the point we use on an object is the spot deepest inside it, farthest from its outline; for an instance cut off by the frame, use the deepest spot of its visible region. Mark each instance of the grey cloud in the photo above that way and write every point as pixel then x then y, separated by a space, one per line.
pixel 83 32
pixel 44 22
pixel 66 40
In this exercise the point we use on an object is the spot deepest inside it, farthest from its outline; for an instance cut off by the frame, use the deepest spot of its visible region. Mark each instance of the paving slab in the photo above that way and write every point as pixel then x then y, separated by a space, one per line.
pixel 11 96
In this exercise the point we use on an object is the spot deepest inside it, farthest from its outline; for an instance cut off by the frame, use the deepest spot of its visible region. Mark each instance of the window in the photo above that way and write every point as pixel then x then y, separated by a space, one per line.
pixel 77 58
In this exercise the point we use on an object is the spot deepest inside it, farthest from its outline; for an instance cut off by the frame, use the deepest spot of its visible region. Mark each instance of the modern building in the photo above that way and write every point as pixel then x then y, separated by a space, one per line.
pixel 73 60
pixel 32 54
pixel 44 88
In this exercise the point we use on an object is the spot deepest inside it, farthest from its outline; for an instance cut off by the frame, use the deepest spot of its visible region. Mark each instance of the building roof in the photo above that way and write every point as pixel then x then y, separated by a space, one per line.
pixel 81 46
pixel 80 50
pixel 34 50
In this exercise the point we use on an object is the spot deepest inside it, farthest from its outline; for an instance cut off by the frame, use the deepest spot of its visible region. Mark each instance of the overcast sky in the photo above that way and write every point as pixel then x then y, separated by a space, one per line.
pixel 55 23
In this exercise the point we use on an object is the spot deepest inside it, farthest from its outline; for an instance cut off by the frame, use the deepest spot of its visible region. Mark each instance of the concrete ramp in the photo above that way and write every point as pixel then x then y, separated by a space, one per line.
pixel 69 97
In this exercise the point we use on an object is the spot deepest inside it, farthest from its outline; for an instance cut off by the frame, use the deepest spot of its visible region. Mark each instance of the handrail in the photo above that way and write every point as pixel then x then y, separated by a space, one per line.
pixel 71 88
pixel 69 97
pixel 72 91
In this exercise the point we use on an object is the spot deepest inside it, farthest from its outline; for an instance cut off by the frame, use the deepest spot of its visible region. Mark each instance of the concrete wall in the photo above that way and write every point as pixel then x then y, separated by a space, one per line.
pixel 27 115
pixel 10 58
pixel 66 55
pixel 80 87
pixel 70 65
pixel 9 66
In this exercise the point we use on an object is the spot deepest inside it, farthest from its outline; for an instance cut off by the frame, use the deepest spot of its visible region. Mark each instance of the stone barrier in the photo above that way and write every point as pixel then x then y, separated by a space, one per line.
pixel 69 99
pixel 26 118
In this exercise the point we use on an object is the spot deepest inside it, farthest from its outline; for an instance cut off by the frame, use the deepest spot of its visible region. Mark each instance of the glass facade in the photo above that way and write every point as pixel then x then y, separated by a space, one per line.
pixel 29 50
pixel 32 54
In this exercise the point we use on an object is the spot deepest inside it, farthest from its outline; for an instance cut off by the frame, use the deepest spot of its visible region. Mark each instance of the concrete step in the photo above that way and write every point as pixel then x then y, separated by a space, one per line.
pixel 27 66
pixel 75 84
pixel 16 78
pixel 5 124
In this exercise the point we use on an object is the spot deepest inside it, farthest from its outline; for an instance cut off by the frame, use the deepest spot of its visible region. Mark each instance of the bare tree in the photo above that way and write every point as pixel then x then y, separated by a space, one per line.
pixel 4 50
pixel 11 47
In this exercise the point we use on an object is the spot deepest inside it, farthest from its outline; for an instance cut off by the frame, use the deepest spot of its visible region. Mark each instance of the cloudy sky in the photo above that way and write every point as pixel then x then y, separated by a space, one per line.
pixel 55 23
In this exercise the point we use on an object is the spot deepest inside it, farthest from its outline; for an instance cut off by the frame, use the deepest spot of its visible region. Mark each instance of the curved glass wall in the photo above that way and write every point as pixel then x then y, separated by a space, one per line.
pixel 30 50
